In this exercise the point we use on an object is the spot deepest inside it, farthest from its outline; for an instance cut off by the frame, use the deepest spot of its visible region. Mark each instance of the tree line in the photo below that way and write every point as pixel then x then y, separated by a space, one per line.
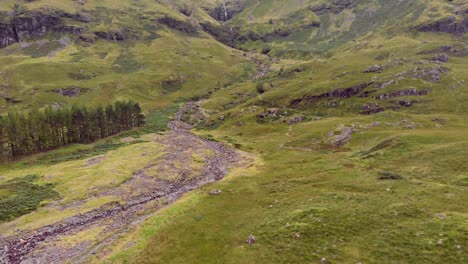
pixel 26 133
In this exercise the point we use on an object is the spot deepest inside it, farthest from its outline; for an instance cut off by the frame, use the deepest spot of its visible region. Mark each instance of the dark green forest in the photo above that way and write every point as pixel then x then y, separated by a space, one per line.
pixel 35 131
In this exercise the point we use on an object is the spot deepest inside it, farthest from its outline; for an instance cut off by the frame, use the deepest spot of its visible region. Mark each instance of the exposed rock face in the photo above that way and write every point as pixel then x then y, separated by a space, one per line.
pixel 448 25
pixel 339 93
pixel 404 92
pixel 114 35
pixel 32 24
pixel 181 26
pixel 452 49
pixel 223 34
pixel 8 35
pixel 227 10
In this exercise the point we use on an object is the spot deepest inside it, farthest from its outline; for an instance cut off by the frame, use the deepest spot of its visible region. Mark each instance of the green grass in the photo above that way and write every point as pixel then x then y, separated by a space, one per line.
pixel 393 194
pixel 336 203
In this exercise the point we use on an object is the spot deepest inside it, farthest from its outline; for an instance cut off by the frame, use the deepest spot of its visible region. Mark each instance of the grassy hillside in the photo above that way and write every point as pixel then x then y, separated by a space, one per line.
pixel 152 63
pixel 353 118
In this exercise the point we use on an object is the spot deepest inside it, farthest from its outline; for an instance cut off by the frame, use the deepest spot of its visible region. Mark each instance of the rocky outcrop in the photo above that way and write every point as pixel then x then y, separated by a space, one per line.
pixel 371 108
pixel 338 93
pixel 270 113
pixel 451 49
pixel 181 26
pixel 343 138
pixel 295 120
pixel 404 92
pixel 226 10
pixel 374 69
pixel 111 35
pixel 36 23
pixel 405 103
pixel 8 35
pixel 448 25
pixel 223 34
pixel 441 58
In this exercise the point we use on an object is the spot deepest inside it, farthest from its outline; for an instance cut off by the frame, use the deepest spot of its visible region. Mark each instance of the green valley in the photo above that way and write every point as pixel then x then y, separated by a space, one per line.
pixel 275 131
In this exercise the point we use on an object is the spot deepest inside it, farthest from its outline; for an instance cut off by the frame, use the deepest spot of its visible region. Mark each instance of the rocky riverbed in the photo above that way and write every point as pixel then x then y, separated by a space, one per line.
pixel 151 188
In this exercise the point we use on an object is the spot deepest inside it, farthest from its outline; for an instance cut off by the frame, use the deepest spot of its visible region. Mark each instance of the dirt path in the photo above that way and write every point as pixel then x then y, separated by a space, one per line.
pixel 149 189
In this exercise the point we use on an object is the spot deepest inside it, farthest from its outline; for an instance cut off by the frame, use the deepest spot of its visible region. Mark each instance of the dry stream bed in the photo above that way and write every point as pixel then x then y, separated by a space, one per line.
pixel 149 189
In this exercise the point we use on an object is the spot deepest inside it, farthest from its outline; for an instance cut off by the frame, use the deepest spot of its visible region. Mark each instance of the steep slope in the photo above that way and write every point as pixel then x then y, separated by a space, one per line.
pixel 88 51
pixel 303 28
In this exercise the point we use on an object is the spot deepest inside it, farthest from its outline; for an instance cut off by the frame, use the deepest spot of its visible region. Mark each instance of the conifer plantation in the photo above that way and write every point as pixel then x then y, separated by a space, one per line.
pixel 26 133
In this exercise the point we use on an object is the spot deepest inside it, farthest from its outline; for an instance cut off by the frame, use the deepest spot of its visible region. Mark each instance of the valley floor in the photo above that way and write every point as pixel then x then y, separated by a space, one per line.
pixel 182 162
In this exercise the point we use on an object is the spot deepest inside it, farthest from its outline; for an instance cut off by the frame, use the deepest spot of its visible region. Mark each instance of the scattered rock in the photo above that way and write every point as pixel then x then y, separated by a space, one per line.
pixel 386 84
pixel 323 260
pixel 271 113
pixel 215 192
pixel 371 108
pixel 404 92
pixel 251 239
pixel 374 69
pixel 441 216
pixel 343 138
pixel 111 35
pixel 138 196
pixel 70 91
pixel 295 120
pixel 297 235
pixel 441 58
pixel 429 74
pixel 287 225
pixel 405 103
